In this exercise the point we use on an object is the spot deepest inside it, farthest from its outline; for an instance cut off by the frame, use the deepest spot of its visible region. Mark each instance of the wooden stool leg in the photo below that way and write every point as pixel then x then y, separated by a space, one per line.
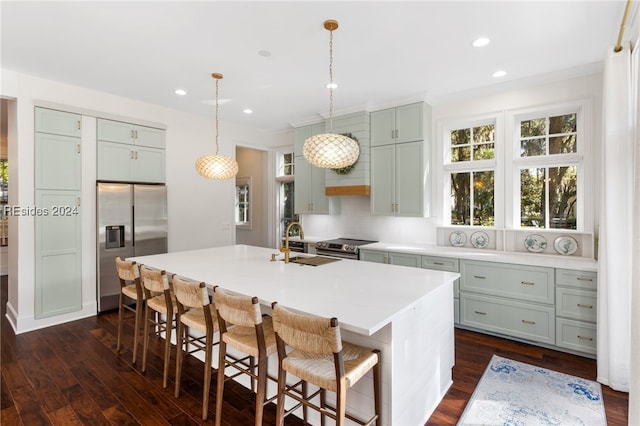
pixel 120 321
pixel 167 351
pixel 207 374
pixel 146 338
pixel 341 401
pixel 376 388
pixel 222 351
pixel 282 383
pixel 180 337
pixel 323 405
pixel 136 331
pixel 262 389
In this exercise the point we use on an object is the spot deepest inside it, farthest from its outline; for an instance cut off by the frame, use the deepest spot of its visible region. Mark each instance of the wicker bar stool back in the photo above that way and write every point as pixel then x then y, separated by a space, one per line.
pixel 162 301
pixel 130 288
pixel 317 355
pixel 244 328
pixel 195 312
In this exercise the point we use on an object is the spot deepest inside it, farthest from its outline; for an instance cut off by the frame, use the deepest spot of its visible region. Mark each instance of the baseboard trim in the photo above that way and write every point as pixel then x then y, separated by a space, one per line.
pixel 26 324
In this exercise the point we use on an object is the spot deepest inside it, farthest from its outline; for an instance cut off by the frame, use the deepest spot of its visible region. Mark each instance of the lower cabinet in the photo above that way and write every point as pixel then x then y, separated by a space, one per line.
pixel 550 306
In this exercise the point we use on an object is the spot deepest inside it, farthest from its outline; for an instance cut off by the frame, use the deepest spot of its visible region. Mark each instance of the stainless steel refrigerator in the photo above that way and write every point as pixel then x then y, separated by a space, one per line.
pixel 131 221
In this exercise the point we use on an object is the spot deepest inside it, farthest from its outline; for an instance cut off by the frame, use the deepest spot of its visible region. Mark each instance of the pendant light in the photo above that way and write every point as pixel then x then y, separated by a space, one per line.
pixel 328 150
pixel 216 166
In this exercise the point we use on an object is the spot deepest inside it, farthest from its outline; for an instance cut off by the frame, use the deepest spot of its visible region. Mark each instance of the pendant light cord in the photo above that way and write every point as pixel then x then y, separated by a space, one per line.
pixel 330 81
pixel 217 89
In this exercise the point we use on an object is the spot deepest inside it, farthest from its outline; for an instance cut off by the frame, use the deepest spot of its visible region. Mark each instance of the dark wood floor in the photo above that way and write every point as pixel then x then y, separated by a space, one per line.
pixel 71 374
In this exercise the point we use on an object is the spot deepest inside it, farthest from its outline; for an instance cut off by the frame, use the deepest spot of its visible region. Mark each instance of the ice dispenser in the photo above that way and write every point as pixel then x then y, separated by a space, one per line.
pixel 114 236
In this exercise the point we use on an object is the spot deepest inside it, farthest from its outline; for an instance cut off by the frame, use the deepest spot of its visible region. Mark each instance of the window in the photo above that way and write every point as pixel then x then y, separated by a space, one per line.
pixel 243 202
pixel 286 193
pixel 549 170
pixel 470 170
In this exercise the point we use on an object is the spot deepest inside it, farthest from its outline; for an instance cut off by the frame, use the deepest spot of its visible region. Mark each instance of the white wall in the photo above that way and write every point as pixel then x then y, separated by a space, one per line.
pixel 200 211
pixel 355 219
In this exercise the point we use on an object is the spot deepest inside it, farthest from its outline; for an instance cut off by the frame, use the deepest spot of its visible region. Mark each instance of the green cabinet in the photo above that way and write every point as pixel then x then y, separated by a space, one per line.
pixel 398 180
pixel 57 218
pixel 391 258
pixel 130 153
pixel 310 197
pixel 576 310
pixel 398 125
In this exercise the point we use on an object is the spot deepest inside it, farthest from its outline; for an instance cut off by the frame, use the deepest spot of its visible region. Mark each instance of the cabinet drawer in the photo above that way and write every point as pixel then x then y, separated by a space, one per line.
pixel 523 282
pixel 440 263
pixel 582 279
pixel 576 335
pixel 576 304
pixel 527 321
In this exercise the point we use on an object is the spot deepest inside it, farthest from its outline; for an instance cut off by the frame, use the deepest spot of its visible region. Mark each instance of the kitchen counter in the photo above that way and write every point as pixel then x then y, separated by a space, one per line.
pixel 535 259
pixel 405 312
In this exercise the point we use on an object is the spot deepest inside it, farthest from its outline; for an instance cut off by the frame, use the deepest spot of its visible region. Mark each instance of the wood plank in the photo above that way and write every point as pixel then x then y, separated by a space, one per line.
pixel 347 190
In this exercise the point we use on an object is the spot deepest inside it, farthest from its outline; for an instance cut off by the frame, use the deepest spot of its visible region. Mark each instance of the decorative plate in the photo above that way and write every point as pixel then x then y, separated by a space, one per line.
pixel 535 243
pixel 457 238
pixel 480 239
pixel 565 244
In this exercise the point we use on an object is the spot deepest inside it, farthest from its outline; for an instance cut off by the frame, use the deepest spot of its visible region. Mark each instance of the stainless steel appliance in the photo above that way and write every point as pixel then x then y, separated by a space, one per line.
pixel 346 248
pixel 131 221
pixel 297 246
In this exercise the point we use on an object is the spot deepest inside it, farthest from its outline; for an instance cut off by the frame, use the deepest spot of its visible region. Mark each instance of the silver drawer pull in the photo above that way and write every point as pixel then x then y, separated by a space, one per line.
pixel 585 337
pixel 584 279
pixel 480 313
pixel 438 263
pixel 479 277
pixel 581 305
pixel 527 283
pixel 528 322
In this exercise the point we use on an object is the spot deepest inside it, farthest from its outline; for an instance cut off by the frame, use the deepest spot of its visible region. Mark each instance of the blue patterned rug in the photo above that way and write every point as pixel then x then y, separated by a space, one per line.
pixel 517 394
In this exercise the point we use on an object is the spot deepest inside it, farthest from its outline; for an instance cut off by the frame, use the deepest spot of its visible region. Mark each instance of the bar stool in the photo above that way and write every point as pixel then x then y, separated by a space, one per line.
pixel 252 334
pixel 194 312
pixel 162 301
pixel 320 357
pixel 130 288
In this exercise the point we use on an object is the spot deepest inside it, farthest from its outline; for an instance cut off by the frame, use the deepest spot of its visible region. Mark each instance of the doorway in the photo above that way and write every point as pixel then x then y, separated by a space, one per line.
pixel 252 203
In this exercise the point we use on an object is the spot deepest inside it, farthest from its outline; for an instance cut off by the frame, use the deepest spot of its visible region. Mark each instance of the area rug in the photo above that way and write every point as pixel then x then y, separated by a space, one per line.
pixel 517 394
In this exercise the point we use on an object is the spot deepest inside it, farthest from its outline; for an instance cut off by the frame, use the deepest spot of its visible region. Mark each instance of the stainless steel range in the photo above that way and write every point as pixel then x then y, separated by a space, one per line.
pixel 346 248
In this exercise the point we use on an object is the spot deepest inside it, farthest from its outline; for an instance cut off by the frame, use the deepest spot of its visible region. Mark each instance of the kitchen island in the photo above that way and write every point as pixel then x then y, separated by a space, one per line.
pixel 404 312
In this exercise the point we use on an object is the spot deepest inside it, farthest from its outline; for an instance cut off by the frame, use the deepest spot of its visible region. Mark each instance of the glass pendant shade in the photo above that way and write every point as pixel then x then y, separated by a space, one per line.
pixel 331 151
pixel 216 167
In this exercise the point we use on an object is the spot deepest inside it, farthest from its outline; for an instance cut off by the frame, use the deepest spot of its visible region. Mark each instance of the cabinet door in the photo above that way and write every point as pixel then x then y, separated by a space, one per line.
pixel 373 256
pixel 115 131
pixel 58 254
pixel 149 136
pixel 409 123
pixel 383 126
pixel 301 134
pixel 302 199
pixel 57 162
pixel 148 165
pixel 115 161
pixel 409 180
pixel 319 200
pixel 382 180
pixel 57 122
pixel 405 259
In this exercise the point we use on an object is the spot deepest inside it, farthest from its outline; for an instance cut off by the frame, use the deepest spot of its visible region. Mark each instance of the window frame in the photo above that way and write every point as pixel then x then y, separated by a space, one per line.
pixel 281 179
pixel 244 181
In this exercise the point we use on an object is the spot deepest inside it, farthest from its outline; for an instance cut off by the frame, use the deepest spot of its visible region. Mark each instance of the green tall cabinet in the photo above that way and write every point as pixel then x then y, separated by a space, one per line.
pixel 58 232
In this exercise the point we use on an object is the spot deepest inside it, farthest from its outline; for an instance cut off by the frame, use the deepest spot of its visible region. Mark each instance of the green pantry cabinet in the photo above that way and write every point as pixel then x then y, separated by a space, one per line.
pixel 130 153
pixel 398 160
pixel 552 307
pixel 58 255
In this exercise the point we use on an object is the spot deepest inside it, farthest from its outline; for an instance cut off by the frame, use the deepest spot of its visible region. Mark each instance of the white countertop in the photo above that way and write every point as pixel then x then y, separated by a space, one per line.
pixel 364 296
pixel 536 259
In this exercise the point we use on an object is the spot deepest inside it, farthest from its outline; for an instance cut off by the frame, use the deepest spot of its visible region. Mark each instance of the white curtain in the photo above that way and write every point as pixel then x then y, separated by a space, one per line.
pixel 634 385
pixel 615 255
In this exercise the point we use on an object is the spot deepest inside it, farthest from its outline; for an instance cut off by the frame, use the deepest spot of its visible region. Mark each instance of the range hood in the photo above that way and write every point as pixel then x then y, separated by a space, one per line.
pixel 347 190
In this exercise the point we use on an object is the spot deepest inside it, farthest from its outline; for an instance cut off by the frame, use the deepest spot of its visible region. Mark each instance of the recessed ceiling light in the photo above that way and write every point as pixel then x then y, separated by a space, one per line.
pixel 480 42
pixel 247 111
pixel 180 92
pixel 499 73
pixel 332 86
pixel 264 53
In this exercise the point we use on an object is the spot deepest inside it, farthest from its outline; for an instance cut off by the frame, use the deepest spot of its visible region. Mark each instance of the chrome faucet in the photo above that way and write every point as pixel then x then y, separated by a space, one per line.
pixel 285 248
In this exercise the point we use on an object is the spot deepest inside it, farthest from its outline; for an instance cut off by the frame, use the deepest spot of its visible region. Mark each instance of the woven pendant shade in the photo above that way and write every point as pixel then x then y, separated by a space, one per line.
pixel 328 150
pixel 216 167
pixel 331 151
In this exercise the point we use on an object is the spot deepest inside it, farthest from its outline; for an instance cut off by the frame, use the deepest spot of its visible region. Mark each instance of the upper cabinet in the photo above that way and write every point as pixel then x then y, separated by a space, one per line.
pixel 301 134
pixel 398 125
pixel 399 160
pixel 129 152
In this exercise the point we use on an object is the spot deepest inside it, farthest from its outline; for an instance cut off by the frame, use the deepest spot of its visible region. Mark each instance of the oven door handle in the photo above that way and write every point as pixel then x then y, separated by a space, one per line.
pixel 337 254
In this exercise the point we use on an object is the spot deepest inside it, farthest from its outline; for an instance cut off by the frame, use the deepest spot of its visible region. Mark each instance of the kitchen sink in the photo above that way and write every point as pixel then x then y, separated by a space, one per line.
pixel 312 260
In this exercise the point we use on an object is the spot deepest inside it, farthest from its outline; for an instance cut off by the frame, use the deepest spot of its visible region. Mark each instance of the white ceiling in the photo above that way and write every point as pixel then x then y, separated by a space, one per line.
pixel 385 52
